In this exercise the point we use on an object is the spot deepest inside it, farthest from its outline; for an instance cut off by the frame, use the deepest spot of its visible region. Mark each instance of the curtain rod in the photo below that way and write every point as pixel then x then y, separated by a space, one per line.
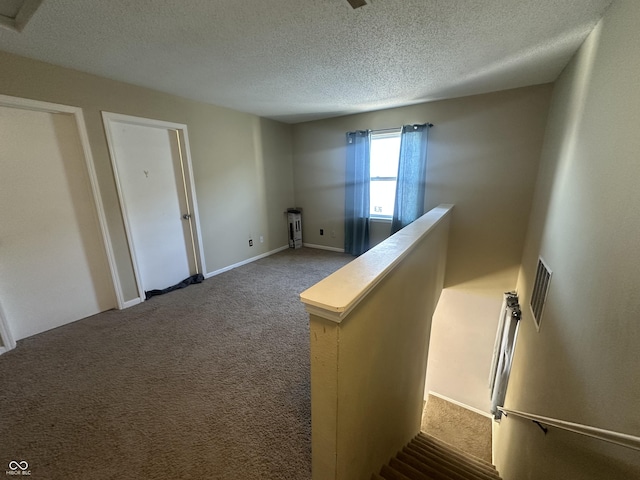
pixel 389 130
pixel 395 129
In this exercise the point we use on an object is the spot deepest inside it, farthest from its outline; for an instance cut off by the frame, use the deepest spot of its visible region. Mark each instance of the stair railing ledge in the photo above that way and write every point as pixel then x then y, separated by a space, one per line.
pixel 610 436
pixel 339 293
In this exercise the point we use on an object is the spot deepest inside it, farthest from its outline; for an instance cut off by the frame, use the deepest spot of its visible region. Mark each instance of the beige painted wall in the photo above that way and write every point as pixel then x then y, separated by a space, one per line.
pixel 483 157
pixel 367 372
pixel 242 163
pixel 583 364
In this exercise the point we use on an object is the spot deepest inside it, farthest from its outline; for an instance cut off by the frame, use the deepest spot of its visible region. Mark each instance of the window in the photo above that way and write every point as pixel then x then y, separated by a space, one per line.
pixel 385 152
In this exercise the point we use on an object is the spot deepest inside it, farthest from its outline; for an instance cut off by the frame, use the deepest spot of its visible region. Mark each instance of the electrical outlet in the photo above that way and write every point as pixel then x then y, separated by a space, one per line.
pixel 251 243
pixel 333 234
pixel 261 239
pixel 322 231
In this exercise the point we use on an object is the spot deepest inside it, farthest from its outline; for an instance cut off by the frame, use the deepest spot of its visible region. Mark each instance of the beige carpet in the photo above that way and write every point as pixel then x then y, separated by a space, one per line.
pixel 208 382
pixel 458 426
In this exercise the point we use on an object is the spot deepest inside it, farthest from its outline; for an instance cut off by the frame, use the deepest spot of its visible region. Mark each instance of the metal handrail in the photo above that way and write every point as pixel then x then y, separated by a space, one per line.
pixel 622 439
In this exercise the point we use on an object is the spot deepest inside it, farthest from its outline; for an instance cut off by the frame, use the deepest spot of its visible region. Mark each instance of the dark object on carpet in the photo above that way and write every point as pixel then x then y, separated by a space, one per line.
pixel 460 427
pixel 197 278
pixel 209 382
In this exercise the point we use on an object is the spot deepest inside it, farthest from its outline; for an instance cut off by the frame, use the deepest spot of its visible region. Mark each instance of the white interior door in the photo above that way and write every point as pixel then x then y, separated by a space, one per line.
pixel 152 184
pixel 53 267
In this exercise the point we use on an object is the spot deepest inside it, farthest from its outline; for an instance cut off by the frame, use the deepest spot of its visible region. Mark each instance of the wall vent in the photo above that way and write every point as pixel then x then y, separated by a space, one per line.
pixel 540 289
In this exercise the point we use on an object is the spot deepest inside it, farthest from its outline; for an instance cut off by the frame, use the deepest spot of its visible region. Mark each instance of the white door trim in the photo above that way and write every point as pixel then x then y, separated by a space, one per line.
pixel 76 112
pixel 107 119
pixel 8 342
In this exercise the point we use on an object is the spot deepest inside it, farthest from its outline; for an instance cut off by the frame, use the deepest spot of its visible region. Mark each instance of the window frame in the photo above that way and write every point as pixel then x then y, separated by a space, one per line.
pixel 380 134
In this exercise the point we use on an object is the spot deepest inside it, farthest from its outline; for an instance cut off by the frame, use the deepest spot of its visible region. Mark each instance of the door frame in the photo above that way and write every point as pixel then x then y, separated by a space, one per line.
pixel 107 119
pixel 98 207
pixel 8 342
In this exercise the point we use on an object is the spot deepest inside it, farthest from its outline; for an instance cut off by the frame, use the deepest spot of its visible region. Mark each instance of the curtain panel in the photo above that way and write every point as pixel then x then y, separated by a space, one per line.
pixel 412 171
pixel 357 192
pixel 504 350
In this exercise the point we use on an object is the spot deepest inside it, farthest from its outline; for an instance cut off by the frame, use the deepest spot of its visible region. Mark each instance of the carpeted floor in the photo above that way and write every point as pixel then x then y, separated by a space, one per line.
pixel 458 426
pixel 211 381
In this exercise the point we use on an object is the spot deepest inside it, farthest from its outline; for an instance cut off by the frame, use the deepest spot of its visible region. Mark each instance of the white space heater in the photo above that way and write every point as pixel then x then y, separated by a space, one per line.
pixel 294 221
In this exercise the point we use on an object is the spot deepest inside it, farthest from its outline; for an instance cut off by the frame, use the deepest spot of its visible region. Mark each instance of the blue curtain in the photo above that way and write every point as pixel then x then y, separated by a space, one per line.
pixel 356 205
pixel 412 170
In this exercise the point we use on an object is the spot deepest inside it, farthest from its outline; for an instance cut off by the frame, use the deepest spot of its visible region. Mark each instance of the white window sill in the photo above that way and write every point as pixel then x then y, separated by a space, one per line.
pixel 381 219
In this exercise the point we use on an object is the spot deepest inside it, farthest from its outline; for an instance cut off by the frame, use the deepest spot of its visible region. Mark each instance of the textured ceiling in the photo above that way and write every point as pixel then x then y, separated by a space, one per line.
pixel 297 60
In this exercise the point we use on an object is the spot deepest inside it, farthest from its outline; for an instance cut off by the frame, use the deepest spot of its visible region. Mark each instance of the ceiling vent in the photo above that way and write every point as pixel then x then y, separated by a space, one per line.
pixel 14 14
pixel 540 290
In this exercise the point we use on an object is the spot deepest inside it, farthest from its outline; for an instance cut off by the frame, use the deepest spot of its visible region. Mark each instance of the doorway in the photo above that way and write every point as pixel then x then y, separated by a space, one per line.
pixel 154 179
pixel 55 262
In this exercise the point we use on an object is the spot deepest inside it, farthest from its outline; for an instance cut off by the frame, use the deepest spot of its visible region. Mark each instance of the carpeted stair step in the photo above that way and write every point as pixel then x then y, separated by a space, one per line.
pixel 466 462
pixel 473 470
pixel 427 458
pixel 436 441
pixel 389 473
pixel 433 471
pixel 411 472
pixel 439 466
pixel 437 459
pixel 443 448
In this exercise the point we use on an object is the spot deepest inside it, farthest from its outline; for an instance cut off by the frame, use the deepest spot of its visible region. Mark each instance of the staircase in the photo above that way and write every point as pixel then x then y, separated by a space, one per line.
pixel 427 458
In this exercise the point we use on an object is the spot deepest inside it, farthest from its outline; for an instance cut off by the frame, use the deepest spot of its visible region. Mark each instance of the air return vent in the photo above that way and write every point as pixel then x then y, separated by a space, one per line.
pixel 540 289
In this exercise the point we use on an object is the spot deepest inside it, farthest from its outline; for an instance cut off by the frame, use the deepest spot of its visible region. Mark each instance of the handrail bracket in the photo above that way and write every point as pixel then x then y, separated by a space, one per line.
pixel 542 427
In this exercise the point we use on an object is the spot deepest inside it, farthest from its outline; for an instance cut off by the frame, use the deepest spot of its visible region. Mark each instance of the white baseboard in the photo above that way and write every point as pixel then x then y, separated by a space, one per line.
pixel 8 342
pixel 9 347
pixel 323 247
pixel 244 262
pixel 136 301
pixel 460 404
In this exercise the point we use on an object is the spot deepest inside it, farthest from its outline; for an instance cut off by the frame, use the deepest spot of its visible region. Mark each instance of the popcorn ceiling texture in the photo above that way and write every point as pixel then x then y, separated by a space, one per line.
pixel 297 60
